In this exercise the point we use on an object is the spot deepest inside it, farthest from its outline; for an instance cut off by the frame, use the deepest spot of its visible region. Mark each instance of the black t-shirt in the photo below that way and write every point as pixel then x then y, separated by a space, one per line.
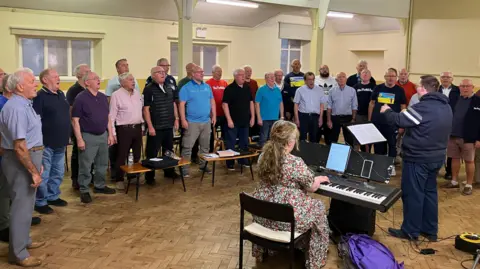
pixel 238 100
pixel 364 95
pixel 73 91
pixel 385 92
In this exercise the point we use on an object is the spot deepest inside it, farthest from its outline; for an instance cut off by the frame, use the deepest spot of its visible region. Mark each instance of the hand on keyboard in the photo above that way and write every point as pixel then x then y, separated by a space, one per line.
pixel 323 180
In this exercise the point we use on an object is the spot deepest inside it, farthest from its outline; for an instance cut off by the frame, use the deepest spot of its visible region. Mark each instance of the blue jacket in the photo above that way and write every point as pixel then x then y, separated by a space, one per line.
pixel 428 125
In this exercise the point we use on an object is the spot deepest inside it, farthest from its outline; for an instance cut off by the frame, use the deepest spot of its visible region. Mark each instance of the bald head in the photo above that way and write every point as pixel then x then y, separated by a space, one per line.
pixel 296 66
pixel 403 76
pixel 189 68
pixel 341 79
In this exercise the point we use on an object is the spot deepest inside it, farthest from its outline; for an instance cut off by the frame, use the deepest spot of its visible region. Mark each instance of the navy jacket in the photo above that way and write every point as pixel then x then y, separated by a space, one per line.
pixel 453 95
pixel 471 128
pixel 428 127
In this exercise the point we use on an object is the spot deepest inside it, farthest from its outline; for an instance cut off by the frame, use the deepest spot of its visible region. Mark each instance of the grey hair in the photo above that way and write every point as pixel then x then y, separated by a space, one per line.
pixel 247 66
pixel 278 70
pixel 85 77
pixel 77 69
pixel 161 60
pixel 4 83
pixel 124 76
pixel 215 67
pixel 238 70
pixel 17 78
pixel 362 62
pixel 269 73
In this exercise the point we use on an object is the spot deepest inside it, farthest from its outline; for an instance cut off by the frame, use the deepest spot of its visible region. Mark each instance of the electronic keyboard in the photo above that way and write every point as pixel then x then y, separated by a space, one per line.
pixel 367 194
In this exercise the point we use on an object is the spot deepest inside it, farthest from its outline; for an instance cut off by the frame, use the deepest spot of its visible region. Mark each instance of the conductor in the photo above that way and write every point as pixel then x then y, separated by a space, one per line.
pixel 428 125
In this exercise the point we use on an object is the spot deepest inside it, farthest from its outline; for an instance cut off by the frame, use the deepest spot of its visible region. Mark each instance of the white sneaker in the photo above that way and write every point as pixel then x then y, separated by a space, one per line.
pixel 120 185
pixel 394 173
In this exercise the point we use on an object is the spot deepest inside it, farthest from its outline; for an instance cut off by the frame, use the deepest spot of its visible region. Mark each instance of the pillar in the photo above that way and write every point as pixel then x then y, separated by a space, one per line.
pixel 318 17
pixel 185 34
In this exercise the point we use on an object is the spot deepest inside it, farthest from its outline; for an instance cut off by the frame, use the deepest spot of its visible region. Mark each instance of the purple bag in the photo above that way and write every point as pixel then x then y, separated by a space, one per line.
pixel 367 253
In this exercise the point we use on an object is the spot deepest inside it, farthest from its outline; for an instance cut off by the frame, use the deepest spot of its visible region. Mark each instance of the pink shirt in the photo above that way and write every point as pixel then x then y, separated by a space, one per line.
pixel 126 107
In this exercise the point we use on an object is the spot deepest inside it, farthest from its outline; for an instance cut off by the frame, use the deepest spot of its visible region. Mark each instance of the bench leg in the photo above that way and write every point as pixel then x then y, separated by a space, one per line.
pixel 203 171
pixel 213 174
pixel 129 179
pixel 251 169
pixel 241 169
pixel 138 187
pixel 183 180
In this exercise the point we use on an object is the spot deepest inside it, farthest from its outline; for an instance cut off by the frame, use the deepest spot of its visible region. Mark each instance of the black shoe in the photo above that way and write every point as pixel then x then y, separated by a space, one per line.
pixel 85 198
pixel 400 234
pixel 58 202
pixel 448 176
pixel 172 175
pixel 150 182
pixel 36 221
pixel 105 190
pixel 430 237
pixel 75 185
pixel 5 235
pixel 44 209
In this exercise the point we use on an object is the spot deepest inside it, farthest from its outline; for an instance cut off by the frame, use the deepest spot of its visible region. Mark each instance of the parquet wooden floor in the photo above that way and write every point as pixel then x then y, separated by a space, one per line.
pixel 168 228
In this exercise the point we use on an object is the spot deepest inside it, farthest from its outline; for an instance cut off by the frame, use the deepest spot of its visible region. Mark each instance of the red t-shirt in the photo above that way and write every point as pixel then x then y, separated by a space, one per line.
pixel 409 88
pixel 218 86
pixel 253 85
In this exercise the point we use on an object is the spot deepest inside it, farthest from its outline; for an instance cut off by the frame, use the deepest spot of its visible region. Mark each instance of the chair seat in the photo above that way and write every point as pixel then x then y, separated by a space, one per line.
pixel 266 233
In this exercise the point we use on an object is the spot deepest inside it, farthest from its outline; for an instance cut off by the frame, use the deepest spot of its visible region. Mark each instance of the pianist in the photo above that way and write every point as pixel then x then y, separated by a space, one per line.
pixel 285 178
pixel 428 125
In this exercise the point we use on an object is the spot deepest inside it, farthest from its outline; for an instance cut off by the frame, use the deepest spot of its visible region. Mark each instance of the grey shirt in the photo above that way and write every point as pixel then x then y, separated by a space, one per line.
pixel 461 108
pixel 414 100
pixel 18 120
pixel 309 100
pixel 342 101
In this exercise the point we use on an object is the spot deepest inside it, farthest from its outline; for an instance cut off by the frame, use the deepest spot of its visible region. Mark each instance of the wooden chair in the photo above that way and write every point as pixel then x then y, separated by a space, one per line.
pixel 263 236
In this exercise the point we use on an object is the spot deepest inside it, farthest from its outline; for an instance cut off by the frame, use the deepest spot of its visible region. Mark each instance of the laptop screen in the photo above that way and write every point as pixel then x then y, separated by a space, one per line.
pixel 338 157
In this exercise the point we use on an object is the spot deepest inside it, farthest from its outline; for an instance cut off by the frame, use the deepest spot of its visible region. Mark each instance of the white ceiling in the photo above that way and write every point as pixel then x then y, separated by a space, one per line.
pixel 204 13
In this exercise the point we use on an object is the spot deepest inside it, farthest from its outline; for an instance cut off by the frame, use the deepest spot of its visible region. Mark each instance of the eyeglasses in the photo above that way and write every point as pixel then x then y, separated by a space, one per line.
pixel 160 72
pixel 465 86
pixel 167 65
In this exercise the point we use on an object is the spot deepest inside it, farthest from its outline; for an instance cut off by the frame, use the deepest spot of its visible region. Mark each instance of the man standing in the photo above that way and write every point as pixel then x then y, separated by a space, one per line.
pixel 355 78
pixel 93 130
pixel 253 86
pixel 364 95
pixel 279 79
pixel 126 111
pixel 218 86
pixel 53 108
pixel 291 83
pixel 73 91
pixel 452 92
pixel 342 109
pixel 465 135
pixel 269 107
pixel 309 107
pixel 169 80
pixel 160 113
pixel 393 95
pixel 428 126
pixel 409 88
pixel 197 117
pixel 22 146
pixel 326 82
pixel 189 68
pixel 240 114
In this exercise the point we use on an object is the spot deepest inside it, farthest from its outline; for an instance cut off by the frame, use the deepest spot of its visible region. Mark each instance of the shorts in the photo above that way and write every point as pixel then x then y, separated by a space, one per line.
pixel 457 149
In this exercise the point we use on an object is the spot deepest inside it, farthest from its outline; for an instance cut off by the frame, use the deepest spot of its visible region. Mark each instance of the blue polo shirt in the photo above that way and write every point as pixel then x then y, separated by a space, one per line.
pixel 54 110
pixel 197 98
pixel 269 100
pixel 18 120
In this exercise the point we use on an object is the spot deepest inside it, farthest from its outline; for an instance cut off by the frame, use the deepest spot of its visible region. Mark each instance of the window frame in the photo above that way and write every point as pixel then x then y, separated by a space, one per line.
pixel 201 45
pixel 45 54
pixel 289 49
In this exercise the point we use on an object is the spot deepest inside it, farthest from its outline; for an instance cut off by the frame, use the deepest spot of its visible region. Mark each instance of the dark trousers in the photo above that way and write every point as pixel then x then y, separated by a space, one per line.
pixel 390 133
pixel 324 131
pixel 112 156
pixel 128 137
pixel 338 122
pixel 163 138
pixel 74 160
pixel 231 140
pixel 308 125
pixel 254 130
pixel 420 198
pixel 448 166
pixel 221 121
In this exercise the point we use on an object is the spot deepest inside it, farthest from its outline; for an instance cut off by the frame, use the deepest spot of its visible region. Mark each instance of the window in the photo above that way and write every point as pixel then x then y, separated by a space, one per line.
pixel 203 55
pixel 61 54
pixel 291 49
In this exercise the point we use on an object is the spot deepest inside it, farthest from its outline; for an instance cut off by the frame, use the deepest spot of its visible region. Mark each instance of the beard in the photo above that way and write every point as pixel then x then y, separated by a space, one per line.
pixel 324 74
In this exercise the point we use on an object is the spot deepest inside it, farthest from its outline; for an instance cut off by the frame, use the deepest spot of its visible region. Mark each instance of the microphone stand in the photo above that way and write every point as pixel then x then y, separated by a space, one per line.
pixel 475 263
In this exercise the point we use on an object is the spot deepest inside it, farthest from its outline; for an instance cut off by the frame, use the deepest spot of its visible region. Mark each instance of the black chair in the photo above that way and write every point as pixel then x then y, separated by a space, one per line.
pixel 265 237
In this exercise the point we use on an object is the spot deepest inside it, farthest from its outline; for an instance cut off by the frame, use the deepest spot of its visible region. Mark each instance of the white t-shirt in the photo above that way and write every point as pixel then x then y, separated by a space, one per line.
pixel 326 84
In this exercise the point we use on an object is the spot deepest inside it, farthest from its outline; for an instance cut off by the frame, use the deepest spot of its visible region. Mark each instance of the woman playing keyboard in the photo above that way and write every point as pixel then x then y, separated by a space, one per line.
pixel 286 179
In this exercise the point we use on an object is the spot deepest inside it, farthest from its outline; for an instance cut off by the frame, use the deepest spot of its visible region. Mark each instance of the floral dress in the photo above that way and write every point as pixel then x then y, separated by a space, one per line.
pixel 309 212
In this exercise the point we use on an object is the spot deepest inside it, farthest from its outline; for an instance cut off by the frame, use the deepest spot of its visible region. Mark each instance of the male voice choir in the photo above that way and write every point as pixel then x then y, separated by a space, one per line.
pixel 36 126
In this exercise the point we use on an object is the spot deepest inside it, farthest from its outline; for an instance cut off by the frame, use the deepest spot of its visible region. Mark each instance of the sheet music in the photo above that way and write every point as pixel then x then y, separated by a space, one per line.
pixel 366 133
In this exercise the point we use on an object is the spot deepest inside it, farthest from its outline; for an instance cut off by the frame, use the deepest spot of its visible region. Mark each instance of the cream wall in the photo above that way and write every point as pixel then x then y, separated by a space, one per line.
pixel 445 38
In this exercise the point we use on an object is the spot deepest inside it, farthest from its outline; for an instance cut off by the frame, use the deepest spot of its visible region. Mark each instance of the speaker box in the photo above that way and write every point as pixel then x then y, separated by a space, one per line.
pixel 349 218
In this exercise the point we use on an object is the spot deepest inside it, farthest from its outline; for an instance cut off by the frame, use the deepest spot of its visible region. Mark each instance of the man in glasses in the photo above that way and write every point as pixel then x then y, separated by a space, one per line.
pixel 170 80
pixel 160 113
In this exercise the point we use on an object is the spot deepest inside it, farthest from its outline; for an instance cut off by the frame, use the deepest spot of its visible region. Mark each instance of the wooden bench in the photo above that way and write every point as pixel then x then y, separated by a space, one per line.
pixel 137 168
pixel 247 155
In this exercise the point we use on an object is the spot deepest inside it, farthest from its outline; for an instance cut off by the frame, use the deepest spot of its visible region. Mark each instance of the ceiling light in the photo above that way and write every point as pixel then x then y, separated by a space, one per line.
pixel 233 3
pixel 334 14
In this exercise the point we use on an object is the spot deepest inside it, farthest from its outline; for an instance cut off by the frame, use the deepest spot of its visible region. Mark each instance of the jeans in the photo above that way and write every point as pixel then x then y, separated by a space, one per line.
pixel 390 133
pixel 231 138
pixel 52 176
pixel 420 198
pixel 265 131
